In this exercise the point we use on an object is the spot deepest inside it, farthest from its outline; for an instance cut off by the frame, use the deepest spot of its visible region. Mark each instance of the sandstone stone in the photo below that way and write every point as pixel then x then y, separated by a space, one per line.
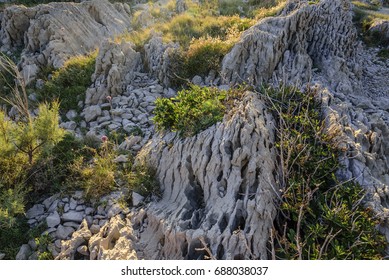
pixel 115 241
pixel 285 48
pixel 237 154
pixel 83 250
pixel 115 65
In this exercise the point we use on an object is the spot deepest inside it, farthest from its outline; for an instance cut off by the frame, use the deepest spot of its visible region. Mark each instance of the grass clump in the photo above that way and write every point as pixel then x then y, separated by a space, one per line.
pixel 69 83
pixel 193 109
pixel 364 17
pixel 143 180
pixel 319 218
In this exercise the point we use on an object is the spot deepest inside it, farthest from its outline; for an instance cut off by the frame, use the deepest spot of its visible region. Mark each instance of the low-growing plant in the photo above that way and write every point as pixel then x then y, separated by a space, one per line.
pixel 319 217
pixel 42 242
pixel 193 109
pixel 69 83
pixel 204 55
pixel 97 175
pixel 143 180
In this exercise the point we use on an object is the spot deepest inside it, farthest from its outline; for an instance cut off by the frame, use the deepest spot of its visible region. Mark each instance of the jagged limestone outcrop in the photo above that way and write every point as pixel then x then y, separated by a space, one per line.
pixel 218 188
pixel 50 34
pixel 157 58
pixel 114 70
pixel 287 48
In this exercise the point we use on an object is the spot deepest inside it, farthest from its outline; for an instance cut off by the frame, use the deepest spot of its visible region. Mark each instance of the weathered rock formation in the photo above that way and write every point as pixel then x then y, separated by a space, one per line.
pixel 218 188
pixel 287 48
pixel 114 70
pixel 50 34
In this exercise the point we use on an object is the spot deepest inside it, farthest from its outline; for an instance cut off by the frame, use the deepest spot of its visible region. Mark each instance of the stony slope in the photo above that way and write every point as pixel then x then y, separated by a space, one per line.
pixel 219 186
pixel 47 35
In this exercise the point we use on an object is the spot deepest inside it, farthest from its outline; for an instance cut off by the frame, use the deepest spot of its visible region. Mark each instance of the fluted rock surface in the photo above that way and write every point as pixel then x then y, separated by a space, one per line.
pixel 50 34
pixel 288 47
pixel 114 70
pixel 218 189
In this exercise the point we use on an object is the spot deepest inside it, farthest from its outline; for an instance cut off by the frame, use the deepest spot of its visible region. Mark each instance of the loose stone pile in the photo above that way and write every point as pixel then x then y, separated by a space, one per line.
pixel 65 216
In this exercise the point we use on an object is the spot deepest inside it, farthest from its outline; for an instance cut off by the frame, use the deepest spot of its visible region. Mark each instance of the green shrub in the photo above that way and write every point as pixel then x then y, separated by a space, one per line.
pixel 42 242
pixel 319 217
pixel 204 55
pixel 34 134
pixel 11 238
pixel 96 176
pixel 143 180
pixel 69 83
pixel 193 110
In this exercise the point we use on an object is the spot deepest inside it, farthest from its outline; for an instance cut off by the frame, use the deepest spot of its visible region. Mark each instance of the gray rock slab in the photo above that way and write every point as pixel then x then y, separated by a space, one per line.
pixel 35 211
pixel 73 216
pixel 53 220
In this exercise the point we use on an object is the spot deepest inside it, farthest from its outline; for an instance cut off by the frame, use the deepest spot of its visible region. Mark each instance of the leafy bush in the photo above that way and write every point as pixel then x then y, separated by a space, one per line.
pixel 42 242
pixel 193 110
pixel 69 83
pixel 319 218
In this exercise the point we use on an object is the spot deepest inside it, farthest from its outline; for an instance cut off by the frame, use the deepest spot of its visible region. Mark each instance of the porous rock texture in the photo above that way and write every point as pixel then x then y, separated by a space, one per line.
pixel 289 46
pixel 49 34
pixel 115 67
pixel 218 189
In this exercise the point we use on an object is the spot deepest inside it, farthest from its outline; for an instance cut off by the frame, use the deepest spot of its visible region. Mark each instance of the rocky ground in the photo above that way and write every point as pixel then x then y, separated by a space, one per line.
pixel 218 186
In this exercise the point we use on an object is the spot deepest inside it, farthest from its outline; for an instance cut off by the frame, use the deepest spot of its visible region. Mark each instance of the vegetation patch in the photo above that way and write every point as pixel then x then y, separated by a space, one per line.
pixel 364 17
pixel 319 217
pixel 69 83
pixel 194 109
